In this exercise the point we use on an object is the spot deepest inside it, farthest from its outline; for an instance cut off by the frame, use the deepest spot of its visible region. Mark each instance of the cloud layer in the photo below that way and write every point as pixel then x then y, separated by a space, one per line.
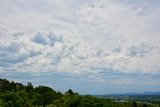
pixel 80 37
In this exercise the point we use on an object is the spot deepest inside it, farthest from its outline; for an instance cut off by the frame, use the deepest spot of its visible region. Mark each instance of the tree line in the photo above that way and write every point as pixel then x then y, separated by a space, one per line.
pixel 18 95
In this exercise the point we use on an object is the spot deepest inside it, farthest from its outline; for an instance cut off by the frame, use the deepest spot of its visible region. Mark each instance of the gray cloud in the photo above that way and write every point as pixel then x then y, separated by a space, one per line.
pixel 40 38
pixel 2 29
pixel 117 50
pixel 15 53
pixel 47 38
pixel 139 51
pixel 17 34
pixel 5 64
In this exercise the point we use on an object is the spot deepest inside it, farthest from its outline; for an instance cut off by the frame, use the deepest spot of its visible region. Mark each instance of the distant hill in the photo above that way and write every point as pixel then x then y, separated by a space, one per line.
pixel 144 93
pixel 18 95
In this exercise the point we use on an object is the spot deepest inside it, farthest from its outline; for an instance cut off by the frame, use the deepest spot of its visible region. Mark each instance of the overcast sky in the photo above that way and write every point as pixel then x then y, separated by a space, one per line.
pixel 90 46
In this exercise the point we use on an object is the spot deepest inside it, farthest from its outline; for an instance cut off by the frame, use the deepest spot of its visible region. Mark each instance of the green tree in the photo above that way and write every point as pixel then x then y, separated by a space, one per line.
pixel 46 95
pixel 23 96
pixel 69 92
pixel 144 105
pixel 29 87
pixel 134 104
pixel 72 101
pixel 10 103
pixel 1 103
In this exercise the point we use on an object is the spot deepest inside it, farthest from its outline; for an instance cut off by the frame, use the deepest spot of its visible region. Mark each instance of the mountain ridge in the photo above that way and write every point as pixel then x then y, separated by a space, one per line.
pixel 143 93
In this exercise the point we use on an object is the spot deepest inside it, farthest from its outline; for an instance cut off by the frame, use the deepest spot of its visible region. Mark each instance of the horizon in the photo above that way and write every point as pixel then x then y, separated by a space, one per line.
pixel 91 47
pixel 123 93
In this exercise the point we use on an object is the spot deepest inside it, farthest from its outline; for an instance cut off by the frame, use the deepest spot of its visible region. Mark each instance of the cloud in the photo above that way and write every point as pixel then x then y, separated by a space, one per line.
pixel 139 51
pixel 14 53
pixel 48 39
pixel 39 38
pixel 88 35
pixel 118 23
pixel 17 34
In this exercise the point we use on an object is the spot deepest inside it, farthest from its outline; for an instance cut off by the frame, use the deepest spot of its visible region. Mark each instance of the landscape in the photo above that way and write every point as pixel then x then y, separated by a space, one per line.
pixel 18 95
pixel 79 53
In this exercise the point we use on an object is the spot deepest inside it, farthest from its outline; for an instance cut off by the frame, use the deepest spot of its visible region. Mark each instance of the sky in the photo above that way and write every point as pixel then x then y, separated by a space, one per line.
pixel 89 46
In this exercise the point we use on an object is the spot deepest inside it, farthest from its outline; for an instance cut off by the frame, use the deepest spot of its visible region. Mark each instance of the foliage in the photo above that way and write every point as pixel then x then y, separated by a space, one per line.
pixel 18 95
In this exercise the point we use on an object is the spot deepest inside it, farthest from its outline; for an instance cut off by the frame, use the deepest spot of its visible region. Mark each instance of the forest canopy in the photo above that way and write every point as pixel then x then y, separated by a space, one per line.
pixel 18 95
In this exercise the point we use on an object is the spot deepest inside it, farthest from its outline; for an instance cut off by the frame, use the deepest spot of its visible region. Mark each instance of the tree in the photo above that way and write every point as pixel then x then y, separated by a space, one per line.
pixel 134 104
pixel 71 102
pixel 13 86
pixel 1 103
pixel 69 92
pixel 23 96
pixel 46 95
pixel 29 87
pixel 9 96
pixel 144 105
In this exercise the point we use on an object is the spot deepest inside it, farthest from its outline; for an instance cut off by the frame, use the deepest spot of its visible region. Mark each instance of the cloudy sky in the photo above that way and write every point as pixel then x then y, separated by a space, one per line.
pixel 90 46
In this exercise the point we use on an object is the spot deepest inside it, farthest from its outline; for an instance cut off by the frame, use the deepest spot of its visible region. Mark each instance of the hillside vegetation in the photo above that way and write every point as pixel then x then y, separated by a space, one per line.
pixel 18 95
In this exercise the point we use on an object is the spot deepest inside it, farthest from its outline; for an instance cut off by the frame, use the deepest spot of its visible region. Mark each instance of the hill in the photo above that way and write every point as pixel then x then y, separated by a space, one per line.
pixel 143 93
pixel 18 95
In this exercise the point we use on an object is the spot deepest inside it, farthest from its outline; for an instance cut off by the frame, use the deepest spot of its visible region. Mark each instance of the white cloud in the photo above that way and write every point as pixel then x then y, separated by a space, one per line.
pixel 88 35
